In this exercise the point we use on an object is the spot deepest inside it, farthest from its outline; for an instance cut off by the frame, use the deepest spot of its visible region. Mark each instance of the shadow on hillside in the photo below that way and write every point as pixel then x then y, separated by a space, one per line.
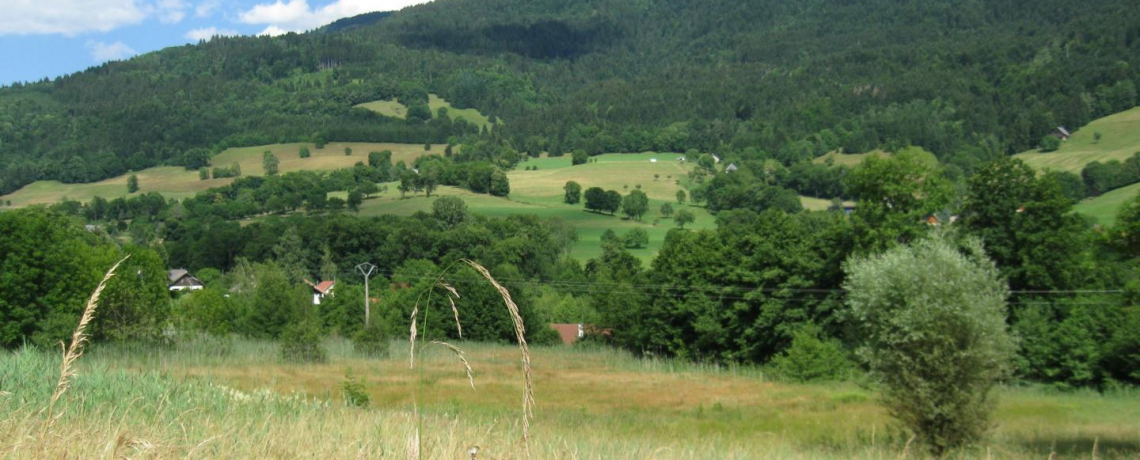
pixel 1082 447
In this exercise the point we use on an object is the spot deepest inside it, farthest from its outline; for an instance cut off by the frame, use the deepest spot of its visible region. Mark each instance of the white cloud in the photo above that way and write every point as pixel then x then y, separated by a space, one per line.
pixel 103 52
pixel 207 33
pixel 68 17
pixel 171 11
pixel 298 16
pixel 206 8
pixel 273 31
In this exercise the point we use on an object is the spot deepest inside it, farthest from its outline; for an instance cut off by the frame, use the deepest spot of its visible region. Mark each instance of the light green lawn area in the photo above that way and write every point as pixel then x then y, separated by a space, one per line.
pixel 850 160
pixel 1121 139
pixel 176 182
pixel 393 108
pixel 819 204
pixel 589 225
pixel 1104 208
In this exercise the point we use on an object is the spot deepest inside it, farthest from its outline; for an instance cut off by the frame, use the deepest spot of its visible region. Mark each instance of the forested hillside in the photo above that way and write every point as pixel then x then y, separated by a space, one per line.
pixel 967 80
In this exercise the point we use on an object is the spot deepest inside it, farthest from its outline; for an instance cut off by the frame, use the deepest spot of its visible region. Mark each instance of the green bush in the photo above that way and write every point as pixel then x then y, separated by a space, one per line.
pixel 1050 144
pixel 934 323
pixel 355 393
pixel 371 341
pixel 301 338
pixel 1122 354
pixel 811 358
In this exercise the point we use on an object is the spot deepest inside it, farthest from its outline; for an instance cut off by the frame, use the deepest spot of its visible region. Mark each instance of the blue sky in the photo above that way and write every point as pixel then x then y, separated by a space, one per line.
pixel 49 38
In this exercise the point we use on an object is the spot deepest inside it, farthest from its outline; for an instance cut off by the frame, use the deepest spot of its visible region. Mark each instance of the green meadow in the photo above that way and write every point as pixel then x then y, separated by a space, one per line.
pixel 1104 208
pixel 178 183
pixel 1120 139
pixel 393 108
pixel 540 193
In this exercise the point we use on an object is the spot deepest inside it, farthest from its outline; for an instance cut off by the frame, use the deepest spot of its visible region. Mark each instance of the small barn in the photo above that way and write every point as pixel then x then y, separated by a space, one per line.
pixel 182 280
pixel 731 168
pixel 321 290
pixel 1061 133
pixel 569 333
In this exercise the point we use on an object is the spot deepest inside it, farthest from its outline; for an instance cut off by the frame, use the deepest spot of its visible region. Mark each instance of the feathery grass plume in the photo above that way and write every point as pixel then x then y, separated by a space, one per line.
pixel 458 325
pixel 459 353
pixel 412 338
pixel 72 353
pixel 520 333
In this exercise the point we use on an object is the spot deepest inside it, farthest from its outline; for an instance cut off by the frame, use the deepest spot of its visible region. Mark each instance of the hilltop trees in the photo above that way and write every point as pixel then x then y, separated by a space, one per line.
pixel 573 193
pixel 635 205
pixel 1026 224
pixel 683 217
pixel 269 163
pixel 934 327
pixel 896 195
pixel 579 157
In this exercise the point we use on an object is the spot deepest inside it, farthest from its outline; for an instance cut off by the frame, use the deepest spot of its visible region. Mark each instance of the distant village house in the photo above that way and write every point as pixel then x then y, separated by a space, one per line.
pixel 321 290
pixel 182 280
pixel 1061 133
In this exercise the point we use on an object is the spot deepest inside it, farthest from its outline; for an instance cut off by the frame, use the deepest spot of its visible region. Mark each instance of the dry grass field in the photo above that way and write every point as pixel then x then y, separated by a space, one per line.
pixel 178 183
pixel 235 399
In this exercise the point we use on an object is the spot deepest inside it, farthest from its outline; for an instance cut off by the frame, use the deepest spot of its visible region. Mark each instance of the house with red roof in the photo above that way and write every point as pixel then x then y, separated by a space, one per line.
pixel 321 290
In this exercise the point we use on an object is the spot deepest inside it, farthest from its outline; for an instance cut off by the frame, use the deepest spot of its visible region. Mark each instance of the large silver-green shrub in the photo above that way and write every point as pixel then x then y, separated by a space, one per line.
pixel 933 320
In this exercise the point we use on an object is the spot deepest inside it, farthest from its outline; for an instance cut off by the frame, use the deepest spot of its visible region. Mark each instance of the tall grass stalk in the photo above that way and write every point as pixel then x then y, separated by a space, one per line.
pixel 528 401
pixel 72 353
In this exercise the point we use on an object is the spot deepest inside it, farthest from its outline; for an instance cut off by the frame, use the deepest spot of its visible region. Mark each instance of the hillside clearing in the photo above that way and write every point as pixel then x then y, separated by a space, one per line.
pixel 393 108
pixel 849 159
pixel 1120 140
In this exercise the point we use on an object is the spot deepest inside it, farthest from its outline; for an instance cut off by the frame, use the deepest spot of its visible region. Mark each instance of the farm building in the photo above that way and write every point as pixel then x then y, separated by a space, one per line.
pixel 716 159
pixel 570 333
pixel 731 168
pixel 1061 133
pixel 321 290
pixel 182 280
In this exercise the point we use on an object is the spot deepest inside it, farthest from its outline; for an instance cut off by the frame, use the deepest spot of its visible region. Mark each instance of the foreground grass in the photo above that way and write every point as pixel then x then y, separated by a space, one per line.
pixel 207 399
pixel 1121 139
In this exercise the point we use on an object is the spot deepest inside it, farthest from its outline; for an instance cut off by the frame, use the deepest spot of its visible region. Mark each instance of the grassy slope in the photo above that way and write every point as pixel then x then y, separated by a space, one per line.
pixel 189 401
pixel 394 109
pixel 1121 140
pixel 850 160
pixel 176 182
pixel 540 193
pixel 1104 208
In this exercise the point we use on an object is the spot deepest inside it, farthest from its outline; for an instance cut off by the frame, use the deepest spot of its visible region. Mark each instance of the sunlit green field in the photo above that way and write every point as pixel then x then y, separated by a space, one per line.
pixel 1104 208
pixel 540 193
pixel 235 399
pixel 178 183
pixel 393 108
pixel 1121 139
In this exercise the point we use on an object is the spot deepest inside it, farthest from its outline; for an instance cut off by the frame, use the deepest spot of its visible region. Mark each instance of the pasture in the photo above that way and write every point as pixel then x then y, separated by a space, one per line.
pixel 393 108
pixel 1104 208
pixel 233 398
pixel 540 193
pixel 1120 140
pixel 178 183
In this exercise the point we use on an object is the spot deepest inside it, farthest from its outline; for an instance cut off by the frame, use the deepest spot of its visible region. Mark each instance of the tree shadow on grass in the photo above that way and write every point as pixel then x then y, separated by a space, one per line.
pixel 1082 447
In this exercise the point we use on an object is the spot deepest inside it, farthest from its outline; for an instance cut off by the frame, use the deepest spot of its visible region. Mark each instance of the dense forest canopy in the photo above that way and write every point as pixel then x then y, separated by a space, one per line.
pixel 968 80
